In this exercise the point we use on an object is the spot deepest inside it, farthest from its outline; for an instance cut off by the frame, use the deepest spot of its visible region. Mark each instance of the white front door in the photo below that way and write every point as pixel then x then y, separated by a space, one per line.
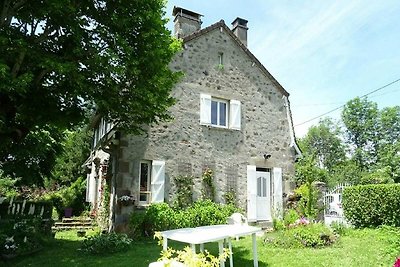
pixel 263 198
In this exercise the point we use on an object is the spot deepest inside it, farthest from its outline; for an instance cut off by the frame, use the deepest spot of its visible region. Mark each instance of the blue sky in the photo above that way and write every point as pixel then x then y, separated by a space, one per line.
pixel 323 53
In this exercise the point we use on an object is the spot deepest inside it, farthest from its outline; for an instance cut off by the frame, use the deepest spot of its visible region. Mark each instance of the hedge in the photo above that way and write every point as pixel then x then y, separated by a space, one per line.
pixel 161 216
pixel 372 205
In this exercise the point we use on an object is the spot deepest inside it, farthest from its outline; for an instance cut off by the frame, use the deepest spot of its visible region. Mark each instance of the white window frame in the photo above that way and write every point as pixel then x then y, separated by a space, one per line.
pixel 232 116
pixel 147 193
pixel 219 102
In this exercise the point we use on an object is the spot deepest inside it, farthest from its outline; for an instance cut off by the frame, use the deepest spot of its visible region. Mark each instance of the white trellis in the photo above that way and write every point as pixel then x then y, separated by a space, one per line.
pixel 333 211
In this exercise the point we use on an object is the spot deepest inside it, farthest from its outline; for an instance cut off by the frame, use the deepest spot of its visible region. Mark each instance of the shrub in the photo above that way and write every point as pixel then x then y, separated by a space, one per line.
pixel 102 244
pixel 290 217
pixel 339 228
pixel 206 212
pixel 161 217
pixel 137 224
pixel 306 235
pixel 307 205
pixel 7 185
pixel 21 235
pixel 372 205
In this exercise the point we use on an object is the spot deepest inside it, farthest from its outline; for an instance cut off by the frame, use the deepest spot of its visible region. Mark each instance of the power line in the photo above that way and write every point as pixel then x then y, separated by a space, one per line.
pixel 326 113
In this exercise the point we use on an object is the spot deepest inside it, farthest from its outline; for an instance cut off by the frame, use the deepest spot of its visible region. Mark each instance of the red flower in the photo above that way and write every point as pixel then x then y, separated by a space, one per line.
pixel 397 263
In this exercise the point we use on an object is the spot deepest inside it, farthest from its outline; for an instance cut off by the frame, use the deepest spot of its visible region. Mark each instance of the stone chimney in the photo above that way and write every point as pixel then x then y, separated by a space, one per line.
pixel 186 22
pixel 239 28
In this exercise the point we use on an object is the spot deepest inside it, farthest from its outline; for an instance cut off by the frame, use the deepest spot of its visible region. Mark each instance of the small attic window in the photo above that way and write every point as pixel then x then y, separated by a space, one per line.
pixel 221 58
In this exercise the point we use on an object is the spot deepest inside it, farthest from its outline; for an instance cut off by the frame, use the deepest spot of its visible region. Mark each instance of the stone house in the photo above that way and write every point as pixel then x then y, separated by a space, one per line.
pixel 231 117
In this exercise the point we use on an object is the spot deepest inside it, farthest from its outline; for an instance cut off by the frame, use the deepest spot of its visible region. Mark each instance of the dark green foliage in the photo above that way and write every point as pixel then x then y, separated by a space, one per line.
pixel 105 244
pixel 7 185
pixel 160 217
pixel 60 59
pixel 313 235
pixel 74 196
pixel 372 205
pixel 68 166
pixel 34 157
pixel 21 235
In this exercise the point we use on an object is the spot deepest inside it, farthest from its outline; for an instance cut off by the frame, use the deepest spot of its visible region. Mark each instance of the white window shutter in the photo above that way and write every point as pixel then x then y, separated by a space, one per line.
pixel 235 115
pixel 278 199
pixel 157 181
pixel 91 186
pixel 251 193
pixel 205 109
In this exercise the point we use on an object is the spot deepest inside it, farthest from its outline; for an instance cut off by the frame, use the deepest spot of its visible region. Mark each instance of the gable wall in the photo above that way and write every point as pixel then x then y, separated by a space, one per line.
pixel 187 147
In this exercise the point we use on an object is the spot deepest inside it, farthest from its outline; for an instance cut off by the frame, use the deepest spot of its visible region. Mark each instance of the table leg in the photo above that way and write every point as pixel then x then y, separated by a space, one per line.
pixel 165 243
pixel 221 251
pixel 255 250
pixel 230 253
pixel 202 248
pixel 193 248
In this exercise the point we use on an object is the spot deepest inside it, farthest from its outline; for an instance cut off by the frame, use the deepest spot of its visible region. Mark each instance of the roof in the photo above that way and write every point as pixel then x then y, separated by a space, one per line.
pixel 222 24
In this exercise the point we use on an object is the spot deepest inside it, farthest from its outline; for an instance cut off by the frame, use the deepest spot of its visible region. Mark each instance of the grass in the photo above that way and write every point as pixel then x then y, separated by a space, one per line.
pixel 365 247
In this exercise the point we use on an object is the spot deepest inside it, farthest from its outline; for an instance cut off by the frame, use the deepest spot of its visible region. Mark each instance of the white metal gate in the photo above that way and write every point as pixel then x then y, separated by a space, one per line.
pixel 333 211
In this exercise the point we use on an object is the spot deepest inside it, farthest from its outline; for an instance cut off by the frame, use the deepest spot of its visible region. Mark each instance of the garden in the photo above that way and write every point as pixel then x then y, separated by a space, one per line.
pixel 294 239
pixel 354 247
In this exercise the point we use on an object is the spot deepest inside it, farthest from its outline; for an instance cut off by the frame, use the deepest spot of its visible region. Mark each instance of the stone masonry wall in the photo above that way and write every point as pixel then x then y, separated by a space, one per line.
pixel 186 146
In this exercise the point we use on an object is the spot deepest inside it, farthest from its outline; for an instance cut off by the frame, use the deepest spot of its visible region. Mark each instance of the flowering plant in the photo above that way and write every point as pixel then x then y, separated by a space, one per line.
pixel 125 199
pixel 397 263
pixel 301 221
pixel 10 246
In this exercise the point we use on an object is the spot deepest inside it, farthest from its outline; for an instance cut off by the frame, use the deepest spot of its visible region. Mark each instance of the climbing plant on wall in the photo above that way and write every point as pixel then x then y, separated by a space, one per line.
pixel 184 191
pixel 208 190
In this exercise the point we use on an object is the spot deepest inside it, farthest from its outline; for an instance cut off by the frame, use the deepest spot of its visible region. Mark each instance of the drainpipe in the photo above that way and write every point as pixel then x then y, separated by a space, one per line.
pixel 291 130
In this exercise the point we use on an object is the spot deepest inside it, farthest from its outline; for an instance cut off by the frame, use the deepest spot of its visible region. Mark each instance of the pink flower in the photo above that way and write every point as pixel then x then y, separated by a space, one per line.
pixel 397 263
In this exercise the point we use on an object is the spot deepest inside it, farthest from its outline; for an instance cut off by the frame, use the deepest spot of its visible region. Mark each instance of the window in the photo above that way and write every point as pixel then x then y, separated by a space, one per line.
pixel 220 113
pixel 221 58
pixel 145 178
pixel 151 181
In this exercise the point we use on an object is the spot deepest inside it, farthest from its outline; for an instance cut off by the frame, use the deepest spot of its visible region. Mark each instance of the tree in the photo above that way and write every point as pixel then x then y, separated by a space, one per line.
pixel 360 117
pixel 324 143
pixel 389 142
pixel 68 164
pixel 61 57
pixel 33 158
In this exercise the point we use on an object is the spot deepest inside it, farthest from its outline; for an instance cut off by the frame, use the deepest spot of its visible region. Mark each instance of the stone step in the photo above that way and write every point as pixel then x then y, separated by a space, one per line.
pixel 67 220
pixel 73 224
pixel 63 228
pixel 265 225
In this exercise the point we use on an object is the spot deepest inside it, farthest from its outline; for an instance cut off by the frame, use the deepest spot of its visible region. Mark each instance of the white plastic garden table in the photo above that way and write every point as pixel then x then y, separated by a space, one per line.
pixel 213 233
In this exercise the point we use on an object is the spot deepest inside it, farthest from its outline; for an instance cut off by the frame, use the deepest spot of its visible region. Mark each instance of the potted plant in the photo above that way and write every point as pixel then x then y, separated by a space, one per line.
pixel 126 200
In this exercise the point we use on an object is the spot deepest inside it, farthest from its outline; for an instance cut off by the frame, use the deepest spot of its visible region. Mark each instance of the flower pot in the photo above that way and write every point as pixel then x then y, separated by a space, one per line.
pixel 68 212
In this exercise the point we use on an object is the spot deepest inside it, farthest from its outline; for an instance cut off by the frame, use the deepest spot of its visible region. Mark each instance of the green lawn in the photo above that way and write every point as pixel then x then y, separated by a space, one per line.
pixel 367 247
